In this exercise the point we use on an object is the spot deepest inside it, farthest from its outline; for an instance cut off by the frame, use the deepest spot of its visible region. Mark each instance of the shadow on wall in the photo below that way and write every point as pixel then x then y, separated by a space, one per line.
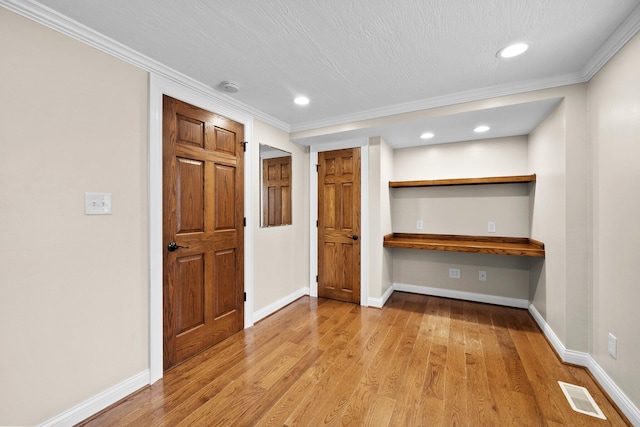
pixel 538 285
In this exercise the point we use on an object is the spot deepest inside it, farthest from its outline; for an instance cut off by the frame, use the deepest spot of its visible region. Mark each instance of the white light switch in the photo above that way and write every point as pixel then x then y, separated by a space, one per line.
pixel 97 203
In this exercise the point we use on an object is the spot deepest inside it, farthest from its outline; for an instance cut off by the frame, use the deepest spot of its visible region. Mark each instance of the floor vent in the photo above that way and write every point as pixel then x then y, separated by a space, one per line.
pixel 580 400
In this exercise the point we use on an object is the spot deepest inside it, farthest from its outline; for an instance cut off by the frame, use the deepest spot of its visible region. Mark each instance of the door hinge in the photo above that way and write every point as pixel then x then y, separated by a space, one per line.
pixel 244 221
pixel 245 297
pixel 317 167
pixel 316 278
pixel 244 145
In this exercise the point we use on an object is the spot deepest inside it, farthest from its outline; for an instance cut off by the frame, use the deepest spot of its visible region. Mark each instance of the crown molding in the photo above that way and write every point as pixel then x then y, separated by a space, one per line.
pixel 618 39
pixel 58 22
pixel 64 25
pixel 443 101
pixel 614 43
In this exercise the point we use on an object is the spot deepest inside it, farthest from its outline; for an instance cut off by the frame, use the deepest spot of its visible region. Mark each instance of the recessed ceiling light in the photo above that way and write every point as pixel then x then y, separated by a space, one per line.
pixel 481 129
pixel 427 135
pixel 301 100
pixel 513 50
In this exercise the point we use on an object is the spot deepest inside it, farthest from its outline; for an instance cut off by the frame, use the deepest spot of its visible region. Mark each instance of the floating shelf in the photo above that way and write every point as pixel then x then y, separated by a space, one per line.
pixel 464 181
pixel 515 246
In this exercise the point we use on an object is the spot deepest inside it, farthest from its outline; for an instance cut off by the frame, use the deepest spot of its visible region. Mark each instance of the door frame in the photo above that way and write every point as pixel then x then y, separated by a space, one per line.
pixel 363 144
pixel 159 86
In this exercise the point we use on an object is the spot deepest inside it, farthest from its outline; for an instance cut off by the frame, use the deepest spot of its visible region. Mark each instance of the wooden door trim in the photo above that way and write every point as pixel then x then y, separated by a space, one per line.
pixel 363 144
pixel 159 86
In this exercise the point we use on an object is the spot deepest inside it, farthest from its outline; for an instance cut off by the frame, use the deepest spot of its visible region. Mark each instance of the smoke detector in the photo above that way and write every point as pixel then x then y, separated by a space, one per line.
pixel 230 86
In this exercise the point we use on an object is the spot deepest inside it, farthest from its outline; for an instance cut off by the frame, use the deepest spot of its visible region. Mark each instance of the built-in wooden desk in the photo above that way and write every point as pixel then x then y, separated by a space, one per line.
pixel 515 246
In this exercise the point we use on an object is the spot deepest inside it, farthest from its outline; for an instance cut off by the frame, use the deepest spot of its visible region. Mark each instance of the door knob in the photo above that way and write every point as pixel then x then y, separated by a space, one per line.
pixel 173 246
pixel 354 237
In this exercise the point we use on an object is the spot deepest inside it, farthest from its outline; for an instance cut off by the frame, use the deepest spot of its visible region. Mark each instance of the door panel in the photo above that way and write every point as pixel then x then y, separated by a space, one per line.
pixel 339 225
pixel 225 276
pixel 203 195
pixel 276 190
pixel 190 189
pixel 190 293
pixel 225 184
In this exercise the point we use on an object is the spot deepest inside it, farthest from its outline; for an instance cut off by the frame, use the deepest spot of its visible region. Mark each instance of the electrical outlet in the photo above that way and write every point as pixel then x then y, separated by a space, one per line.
pixel 613 346
pixel 454 273
pixel 419 224
pixel 482 276
pixel 491 226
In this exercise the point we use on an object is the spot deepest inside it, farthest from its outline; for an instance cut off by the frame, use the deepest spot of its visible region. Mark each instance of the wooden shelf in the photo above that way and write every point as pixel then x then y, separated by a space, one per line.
pixel 464 181
pixel 515 246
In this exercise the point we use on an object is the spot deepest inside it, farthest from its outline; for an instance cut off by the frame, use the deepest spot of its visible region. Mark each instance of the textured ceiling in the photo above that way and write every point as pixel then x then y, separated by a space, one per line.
pixel 358 58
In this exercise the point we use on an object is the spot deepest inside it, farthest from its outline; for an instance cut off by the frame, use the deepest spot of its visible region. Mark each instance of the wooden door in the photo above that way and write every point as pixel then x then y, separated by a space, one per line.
pixel 276 191
pixel 339 225
pixel 203 234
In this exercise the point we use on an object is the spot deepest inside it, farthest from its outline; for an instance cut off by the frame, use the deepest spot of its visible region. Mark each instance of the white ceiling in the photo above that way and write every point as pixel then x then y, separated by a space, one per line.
pixel 364 58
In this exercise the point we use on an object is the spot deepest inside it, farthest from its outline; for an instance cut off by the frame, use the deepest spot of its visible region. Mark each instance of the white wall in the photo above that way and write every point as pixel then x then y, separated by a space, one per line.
pixel 614 127
pixel 74 305
pixel 281 254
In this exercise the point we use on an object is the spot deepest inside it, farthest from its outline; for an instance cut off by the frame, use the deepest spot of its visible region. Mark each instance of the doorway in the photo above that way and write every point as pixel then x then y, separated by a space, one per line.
pixel 203 231
pixel 339 224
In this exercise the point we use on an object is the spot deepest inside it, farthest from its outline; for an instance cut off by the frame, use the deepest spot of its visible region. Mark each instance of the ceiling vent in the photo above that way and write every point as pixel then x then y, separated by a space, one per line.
pixel 230 86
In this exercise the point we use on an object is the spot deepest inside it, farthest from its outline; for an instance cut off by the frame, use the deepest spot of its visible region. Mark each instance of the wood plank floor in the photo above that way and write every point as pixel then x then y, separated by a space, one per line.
pixel 420 361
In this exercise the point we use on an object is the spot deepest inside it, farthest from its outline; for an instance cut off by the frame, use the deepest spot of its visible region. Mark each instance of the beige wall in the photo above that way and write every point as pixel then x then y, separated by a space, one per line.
pixel 467 159
pixel 614 126
pixel 463 210
pixel 380 173
pixel 560 156
pixel 281 254
pixel 74 304
pixel 548 225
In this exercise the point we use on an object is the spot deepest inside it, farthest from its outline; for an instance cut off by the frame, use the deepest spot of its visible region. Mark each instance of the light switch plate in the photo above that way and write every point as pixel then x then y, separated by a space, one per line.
pixel 97 203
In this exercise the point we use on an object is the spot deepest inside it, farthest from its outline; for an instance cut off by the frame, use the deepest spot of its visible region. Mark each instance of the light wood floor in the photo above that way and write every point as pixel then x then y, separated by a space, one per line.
pixel 420 361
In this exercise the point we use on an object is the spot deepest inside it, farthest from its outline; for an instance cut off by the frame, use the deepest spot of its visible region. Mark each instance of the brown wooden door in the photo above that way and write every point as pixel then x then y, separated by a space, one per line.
pixel 203 199
pixel 339 225
pixel 276 191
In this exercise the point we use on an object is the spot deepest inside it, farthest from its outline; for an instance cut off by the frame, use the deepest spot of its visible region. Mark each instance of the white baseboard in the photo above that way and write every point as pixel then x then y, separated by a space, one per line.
pixel 468 296
pixel 277 305
pixel 100 401
pixel 585 359
pixel 380 302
